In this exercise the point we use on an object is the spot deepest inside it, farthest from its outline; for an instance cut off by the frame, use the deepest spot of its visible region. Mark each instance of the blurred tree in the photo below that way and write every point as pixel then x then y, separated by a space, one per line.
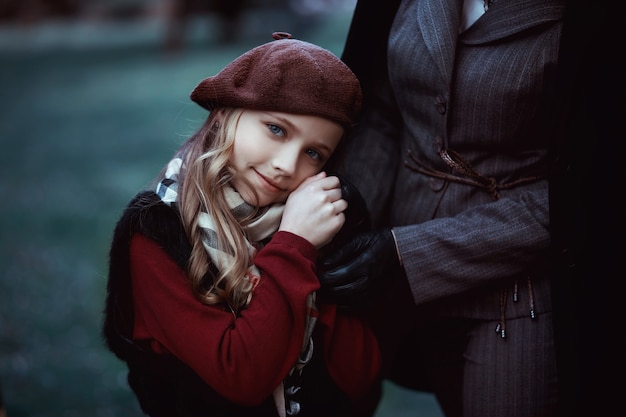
pixel 179 11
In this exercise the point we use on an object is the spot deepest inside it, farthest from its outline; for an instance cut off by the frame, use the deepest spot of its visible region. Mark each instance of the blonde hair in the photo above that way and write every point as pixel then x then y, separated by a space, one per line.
pixel 203 177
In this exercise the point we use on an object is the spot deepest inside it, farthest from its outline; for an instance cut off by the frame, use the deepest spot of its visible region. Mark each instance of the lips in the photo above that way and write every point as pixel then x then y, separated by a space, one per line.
pixel 269 184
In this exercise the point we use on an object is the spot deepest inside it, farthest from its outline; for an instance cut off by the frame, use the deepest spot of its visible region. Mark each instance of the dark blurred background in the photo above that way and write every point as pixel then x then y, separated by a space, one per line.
pixel 94 99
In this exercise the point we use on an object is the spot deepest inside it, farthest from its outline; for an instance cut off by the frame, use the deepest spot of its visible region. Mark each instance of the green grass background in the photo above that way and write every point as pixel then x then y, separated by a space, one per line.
pixel 82 130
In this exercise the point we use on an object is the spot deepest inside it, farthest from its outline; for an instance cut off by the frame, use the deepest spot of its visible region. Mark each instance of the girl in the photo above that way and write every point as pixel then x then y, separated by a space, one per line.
pixel 211 294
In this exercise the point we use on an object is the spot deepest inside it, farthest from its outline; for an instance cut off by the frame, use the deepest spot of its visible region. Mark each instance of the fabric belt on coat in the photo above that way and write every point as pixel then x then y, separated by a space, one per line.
pixel 469 176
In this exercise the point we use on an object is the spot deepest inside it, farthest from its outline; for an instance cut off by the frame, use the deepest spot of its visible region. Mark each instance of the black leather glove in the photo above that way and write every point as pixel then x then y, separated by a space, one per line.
pixel 354 274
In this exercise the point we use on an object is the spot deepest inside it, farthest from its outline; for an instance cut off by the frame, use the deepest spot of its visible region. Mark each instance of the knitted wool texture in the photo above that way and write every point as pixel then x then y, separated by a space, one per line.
pixel 285 75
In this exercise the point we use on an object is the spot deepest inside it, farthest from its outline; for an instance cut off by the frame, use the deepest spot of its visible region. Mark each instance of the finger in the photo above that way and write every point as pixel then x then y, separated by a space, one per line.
pixel 331 182
pixel 312 179
pixel 340 205
pixel 324 183
pixel 333 195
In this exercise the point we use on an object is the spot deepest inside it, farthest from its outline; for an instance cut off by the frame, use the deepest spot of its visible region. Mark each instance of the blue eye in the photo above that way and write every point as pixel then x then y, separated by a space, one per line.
pixel 276 130
pixel 314 154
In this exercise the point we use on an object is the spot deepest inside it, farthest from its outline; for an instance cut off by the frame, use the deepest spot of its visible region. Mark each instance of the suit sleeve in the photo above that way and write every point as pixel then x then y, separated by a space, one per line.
pixel 480 245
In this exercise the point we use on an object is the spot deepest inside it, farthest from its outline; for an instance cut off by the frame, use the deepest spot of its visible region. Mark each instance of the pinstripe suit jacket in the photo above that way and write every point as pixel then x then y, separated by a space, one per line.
pixel 478 96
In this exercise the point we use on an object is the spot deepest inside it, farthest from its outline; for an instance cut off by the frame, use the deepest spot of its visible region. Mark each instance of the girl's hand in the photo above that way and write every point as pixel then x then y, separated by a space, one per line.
pixel 314 210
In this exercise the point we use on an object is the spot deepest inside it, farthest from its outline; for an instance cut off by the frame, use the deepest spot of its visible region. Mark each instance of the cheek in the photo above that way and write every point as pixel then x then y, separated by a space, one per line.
pixel 304 171
pixel 250 149
pixel 242 152
pixel 235 158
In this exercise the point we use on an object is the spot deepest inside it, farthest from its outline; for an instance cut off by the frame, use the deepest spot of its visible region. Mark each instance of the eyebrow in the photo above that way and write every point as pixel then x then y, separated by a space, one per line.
pixel 285 121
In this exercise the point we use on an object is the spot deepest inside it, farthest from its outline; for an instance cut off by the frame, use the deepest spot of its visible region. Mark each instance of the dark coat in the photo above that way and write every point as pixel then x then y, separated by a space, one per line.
pixel 474 242
pixel 586 118
pixel 438 104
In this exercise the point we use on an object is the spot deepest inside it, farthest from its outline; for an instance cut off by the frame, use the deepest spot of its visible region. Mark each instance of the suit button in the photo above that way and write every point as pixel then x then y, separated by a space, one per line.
pixel 436 184
pixel 437 144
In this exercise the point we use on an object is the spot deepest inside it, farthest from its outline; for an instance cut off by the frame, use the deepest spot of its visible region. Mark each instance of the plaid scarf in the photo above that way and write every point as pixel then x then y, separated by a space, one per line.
pixel 264 226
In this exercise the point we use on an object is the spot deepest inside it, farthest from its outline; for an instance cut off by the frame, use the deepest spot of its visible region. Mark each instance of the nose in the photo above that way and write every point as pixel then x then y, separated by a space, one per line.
pixel 285 160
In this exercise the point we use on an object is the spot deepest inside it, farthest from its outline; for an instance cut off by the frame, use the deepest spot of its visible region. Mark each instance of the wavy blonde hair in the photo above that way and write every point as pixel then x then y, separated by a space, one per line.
pixel 204 175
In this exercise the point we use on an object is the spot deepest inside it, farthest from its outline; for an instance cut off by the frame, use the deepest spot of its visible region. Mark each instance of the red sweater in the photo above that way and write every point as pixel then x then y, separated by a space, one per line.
pixel 245 358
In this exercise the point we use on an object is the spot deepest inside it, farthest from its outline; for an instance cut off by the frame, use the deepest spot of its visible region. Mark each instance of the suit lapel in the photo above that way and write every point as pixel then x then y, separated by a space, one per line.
pixel 439 23
pixel 508 17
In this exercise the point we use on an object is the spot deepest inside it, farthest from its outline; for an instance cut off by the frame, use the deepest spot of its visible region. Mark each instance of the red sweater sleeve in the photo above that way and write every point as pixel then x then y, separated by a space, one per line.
pixel 242 358
pixel 351 353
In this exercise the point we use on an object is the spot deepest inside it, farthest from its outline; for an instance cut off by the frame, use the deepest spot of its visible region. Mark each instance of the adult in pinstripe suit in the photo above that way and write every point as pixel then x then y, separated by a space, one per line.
pixel 452 157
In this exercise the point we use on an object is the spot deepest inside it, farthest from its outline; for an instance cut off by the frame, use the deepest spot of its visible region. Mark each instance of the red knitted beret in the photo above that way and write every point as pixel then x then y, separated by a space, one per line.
pixel 285 75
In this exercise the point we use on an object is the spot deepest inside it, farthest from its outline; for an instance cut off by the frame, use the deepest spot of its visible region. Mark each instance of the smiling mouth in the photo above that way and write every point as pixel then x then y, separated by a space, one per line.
pixel 269 184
